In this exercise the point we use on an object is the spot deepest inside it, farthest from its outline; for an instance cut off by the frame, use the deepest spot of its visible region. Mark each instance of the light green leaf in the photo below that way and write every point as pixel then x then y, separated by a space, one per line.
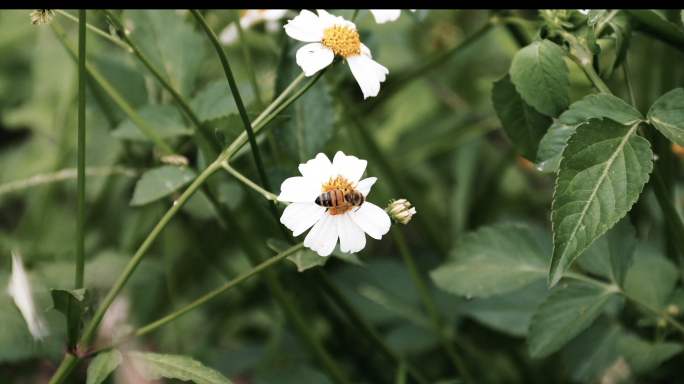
pixel 604 168
pixel 541 77
pixel 593 351
pixel 522 123
pixel 652 280
pixel 153 366
pixel 564 315
pixel 173 46
pixel 160 182
pixel 595 15
pixel 643 356
pixel 621 244
pixel 591 41
pixel 667 114
pixel 165 120
pixel 216 100
pixel 493 261
pixel 102 365
pixel 601 105
pixel 71 303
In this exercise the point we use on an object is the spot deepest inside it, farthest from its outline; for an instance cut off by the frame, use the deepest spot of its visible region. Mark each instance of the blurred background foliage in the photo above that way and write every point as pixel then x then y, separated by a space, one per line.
pixel 439 132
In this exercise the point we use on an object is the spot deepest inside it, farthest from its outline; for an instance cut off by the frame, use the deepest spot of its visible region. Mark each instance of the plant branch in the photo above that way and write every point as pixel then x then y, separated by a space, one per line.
pixel 96 30
pixel 268 195
pixel 80 184
pixel 64 174
pixel 248 61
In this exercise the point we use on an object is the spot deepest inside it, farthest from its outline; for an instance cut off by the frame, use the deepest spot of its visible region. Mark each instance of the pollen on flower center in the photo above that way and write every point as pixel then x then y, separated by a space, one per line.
pixel 342 41
pixel 342 184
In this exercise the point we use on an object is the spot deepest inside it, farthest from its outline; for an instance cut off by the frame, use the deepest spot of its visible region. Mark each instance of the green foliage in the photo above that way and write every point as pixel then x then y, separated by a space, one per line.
pixel 652 280
pixel 72 303
pixel 593 350
pixel 643 356
pixel 305 258
pixel 154 366
pixel 604 168
pixel 667 114
pixel 160 182
pixel 165 120
pixel 594 16
pixel 102 365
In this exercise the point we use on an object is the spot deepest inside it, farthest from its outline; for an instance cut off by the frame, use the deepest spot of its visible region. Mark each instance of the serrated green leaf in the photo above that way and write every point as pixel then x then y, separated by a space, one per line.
pixel 652 280
pixel 591 41
pixel 493 261
pixel 172 45
pixel 601 105
pixel 592 351
pixel 604 168
pixel 72 304
pixel 216 100
pixel 541 77
pixel 165 120
pixel 564 315
pixel 160 182
pixel 621 244
pixel 153 366
pixel 667 114
pixel 102 365
pixel 594 16
pixel 643 356
pixel 522 123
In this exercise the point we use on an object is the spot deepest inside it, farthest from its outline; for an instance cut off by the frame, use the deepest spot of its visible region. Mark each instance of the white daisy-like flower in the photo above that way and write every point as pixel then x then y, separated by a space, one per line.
pixel 249 17
pixel 345 220
pixel 384 15
pixel 334 36
pixel 20 290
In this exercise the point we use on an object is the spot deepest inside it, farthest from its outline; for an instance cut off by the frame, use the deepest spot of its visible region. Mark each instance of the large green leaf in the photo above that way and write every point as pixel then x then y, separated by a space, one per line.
pixel 153 366
pixel 522 123
pixel 102 365
pixel 652 280
pixel 216 99
pixel 667 114
pixel 643 356
pixel 71 303
pixel 165 120
pixel 160 182
pixel 604 168
pixel 593 351
pixel 541 77
pixel 601 105
pixel 493 261
pixel 564 315
pixel 173 46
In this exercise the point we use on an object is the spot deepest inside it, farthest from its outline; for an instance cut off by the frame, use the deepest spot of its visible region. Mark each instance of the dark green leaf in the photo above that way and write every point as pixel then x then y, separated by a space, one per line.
pixel 291 375
pixel 540 75
pixel 593 351
pixel 604 168
pixel 153 366
pixel 160 182
pixel 643 356
pixel 621 243
pixel 165 120
pixel 102 365
pixel 676 306
pixel 595 15
pixel 652 280
pixel 173 46
pixel 660 28
pixel 591 41
pixel 216 100
pixel 522 123
pixel 601 105
pixel 564 315
pixel 667 114
pixel 71 303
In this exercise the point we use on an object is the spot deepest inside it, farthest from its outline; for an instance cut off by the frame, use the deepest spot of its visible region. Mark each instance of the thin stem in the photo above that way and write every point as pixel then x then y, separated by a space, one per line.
pixel 113 94
pixel 89 333
pixel 173 316
pixel 64 174
pixel 429 305
pixel 248 60
pixel 68 364
pixel 80 185
pixel 594 77
pixel 268 195
pixel 586 279
pixel 628 80
pixel 96 30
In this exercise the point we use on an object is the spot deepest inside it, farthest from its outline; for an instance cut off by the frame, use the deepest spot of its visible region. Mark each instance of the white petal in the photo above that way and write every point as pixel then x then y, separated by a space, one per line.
pixel 274 14
pixel 20 290
pixel 327 20
pixel 365 51
pixel 251 17
pixel 305 27
pixel 352 238
pixel 299 190
pixel 323 236
pixel 365 185
pixel 349 166
pixel 229 34
pixel 384 15
pixel 364 72
pixel 372 219
pixel 298 217
pixel 319 168
pixel 314 57
pixel 380 71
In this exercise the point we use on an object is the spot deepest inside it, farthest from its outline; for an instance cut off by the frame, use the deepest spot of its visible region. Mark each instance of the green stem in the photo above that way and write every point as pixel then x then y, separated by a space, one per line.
pixel 356 12
pixel 268 195
pixel 236 95
pixel 594 77
pixel 628 80
pixel 208 141
pixel 429 305
pixel 362 324
pixel 80 184
pixel 68 364
pixel 113 94
pixel 89 333
pixel 96 30
pixel 64 174
pixel 173 316
pixel 248 60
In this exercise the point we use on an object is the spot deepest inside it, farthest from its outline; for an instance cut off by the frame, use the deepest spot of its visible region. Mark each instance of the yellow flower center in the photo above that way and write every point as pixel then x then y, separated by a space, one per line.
pixel 342 184
pixel 342 41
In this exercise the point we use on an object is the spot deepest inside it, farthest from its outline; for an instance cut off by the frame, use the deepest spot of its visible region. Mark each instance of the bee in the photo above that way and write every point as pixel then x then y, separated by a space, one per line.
pixel 337 201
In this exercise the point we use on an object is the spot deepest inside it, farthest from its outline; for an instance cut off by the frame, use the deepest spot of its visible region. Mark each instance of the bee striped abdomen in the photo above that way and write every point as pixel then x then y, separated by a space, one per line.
pixel 332 198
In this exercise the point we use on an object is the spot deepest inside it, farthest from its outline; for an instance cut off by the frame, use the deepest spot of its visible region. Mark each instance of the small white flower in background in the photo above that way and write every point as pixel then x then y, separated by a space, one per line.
pixel 584 11
pixel 399 211
pixel 249 17
pixel 347 222
pixel 20 291
pixel 384 15
pixel 334 36
pixel 42 16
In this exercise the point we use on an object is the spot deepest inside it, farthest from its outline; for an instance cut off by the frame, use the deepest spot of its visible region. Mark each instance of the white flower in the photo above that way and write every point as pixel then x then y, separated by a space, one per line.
pixel 584 11
pixel 334 36
pixel 20 291
pixel 399 211
pixel 249 17
pixel 345 221
pixel 384 15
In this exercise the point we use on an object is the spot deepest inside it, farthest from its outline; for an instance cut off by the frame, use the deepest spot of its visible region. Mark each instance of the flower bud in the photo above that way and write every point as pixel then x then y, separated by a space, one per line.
pixel 42 16
pixel 399 211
